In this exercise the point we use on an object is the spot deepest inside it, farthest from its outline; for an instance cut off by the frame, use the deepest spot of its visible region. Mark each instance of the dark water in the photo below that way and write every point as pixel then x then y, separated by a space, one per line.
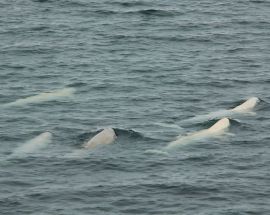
pixel 141 67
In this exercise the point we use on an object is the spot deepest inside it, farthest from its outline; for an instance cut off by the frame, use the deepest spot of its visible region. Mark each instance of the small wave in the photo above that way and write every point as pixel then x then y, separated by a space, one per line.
pixel 153 12
pixel 39 28
pixel 264 105
pixel 106 12
pixel 41 1
pixel 178 187
pixel 144 12
pixel 73 3
pixel 129 133
pixel 130 4
pixel 15 183
pixel 77 84
pixel 258 1
pixel 198 158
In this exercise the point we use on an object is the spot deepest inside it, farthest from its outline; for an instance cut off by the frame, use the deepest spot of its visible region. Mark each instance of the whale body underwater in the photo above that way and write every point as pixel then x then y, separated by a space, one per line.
pixel 33 145
pixel 43 97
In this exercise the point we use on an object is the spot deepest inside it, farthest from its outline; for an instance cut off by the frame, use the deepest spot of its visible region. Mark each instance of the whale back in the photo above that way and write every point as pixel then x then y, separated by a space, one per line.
pixel 247 105
pixel 43 97
pixel 106 136
pixel 220 125
pixel 218 128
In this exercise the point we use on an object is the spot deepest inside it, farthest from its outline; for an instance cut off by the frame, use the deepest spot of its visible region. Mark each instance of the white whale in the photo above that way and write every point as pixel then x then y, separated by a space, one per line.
pixel 217 129
pixel 247 106
pixel 106 136
pixel 43 97
pixel 34 145
pixel 244 108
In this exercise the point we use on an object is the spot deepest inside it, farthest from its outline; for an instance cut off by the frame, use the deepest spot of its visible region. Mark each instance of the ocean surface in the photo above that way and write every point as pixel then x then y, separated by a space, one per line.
pixel 69 68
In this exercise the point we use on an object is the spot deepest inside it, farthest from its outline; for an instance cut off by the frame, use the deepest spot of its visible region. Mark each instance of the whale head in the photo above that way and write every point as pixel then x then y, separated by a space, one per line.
pixel 247 105
pixel 220 125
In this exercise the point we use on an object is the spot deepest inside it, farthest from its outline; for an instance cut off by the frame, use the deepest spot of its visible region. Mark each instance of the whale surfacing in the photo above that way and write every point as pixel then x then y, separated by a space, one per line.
pixel 247 106
pixel 244 108
pixel 106 136
pixel 220 126
pixel 217 129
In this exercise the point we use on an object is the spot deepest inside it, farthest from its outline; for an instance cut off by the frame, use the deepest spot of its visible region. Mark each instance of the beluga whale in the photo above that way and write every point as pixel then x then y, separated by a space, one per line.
pixel 43 97
pixel 244 108
pixel 218 128
pixel 106 136
pixel 247 106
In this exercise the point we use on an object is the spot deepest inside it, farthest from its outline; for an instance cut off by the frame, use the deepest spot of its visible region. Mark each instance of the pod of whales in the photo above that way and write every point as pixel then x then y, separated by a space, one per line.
pixel 217 129
pixel 43 97
pixel 106 136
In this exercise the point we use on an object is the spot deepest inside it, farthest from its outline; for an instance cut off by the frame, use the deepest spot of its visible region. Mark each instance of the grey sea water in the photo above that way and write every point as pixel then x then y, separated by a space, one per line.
pixel 143 67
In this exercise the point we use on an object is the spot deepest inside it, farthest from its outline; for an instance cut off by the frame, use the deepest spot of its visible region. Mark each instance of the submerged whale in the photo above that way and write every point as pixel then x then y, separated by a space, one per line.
pixel 34 144
pixel 217 129
pixel 106 136
pixel 42 97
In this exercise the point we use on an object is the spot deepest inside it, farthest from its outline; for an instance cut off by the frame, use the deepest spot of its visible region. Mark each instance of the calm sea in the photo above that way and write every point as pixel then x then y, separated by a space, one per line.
pixel 144 68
